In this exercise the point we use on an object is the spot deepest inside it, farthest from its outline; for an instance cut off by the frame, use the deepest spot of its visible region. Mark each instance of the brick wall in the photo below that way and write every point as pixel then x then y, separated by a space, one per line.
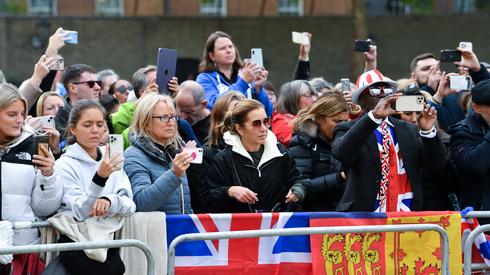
pixel 126 44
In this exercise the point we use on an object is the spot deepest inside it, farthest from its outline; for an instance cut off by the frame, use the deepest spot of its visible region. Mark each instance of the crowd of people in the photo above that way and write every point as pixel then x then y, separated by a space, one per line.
pixel 310 146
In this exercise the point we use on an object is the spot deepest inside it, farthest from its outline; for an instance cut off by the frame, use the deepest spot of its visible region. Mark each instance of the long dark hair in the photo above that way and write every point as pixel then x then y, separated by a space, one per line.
pixel 208 65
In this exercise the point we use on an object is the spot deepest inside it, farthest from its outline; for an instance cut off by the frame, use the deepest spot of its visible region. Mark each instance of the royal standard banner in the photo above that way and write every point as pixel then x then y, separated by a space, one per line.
pixel 385 253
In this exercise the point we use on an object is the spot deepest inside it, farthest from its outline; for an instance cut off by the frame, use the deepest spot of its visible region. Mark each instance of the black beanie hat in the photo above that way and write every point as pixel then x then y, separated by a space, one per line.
pixel 480 94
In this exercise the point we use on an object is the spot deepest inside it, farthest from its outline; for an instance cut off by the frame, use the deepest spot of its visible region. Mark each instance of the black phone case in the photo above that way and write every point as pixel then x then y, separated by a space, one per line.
pixel 450 56
pixel 166 65
pixel 362 46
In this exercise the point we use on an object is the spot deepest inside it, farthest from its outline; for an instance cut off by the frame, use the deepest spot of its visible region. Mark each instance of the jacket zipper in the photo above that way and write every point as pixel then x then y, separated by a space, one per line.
pixel 259 169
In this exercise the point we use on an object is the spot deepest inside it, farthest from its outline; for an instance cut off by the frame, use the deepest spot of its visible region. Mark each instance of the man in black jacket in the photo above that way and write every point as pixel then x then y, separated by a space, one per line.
pixel 384 154
pixel 470 150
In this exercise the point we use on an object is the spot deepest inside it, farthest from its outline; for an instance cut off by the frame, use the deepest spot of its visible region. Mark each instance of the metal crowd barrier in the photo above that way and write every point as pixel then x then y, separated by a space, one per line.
pixel 310 231
pixel 38 248
pixel 469 242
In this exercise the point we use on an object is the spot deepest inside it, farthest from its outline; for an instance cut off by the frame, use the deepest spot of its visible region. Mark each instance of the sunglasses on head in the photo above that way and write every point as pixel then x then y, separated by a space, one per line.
pixel 90 83
pixel 123 89
pixel 258 123
pixel 381 91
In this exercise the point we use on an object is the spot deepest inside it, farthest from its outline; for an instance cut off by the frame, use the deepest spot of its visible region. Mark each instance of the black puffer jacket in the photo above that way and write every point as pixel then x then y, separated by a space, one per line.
pixel 271 179
pixel 313 156
pixel 470 151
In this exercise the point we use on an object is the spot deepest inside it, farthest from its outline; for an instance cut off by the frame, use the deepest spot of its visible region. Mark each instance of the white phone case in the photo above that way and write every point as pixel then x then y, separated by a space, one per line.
pixel 300 38
pixel 256 57
pixel 47 121
pixel 459 82
pixel 116 145
pixel 410 103
pixel 196 154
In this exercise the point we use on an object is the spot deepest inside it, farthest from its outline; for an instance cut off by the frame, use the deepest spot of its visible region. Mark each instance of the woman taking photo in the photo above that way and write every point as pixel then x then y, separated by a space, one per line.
pixel 29 189
pixel 197 172
pixel 48 104
pixel 294 96
pixel 254 174
pixel 311 149
pixel 154 163
pixel 94 184
pixel 222 70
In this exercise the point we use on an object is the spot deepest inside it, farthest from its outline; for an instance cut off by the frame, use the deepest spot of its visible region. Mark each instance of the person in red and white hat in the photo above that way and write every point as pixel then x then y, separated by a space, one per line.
pixel 384 154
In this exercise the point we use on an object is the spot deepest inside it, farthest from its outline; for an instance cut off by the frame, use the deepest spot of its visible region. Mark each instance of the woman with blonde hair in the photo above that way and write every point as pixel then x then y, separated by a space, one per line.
pixel 48 104
pixel 311 149
pixel 254 173
pixel 29 189
pixel 153 162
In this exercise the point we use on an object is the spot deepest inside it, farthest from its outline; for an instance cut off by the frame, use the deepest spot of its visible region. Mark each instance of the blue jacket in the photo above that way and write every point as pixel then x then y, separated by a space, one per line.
pixel 155 186
pixel 215 85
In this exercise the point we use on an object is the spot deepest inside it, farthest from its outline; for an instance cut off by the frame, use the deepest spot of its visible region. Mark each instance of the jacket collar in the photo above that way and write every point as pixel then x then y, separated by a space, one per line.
pixel 149 147
pixel 270 147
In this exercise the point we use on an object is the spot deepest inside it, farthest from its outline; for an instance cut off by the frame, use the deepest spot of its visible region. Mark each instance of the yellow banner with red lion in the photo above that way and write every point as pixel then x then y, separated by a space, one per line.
pixel 385 253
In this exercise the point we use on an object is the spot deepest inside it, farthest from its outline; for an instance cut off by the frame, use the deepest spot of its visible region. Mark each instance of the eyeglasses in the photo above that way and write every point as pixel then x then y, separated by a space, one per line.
pixel 166 118
pixel 258 123
pixel 123 89
pixel 381 91
pixel 90 83
pixel 309 94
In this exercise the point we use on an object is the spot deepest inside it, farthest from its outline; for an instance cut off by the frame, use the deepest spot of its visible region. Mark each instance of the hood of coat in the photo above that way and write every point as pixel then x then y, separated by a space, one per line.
pixel 26 133
pixel 75 151
pixel 151 149
pixel 270 147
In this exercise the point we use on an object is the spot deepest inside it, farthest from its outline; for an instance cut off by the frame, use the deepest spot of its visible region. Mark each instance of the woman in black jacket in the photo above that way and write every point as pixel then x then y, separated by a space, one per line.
pixel 255 173
pixel 196 174
pixel 311 149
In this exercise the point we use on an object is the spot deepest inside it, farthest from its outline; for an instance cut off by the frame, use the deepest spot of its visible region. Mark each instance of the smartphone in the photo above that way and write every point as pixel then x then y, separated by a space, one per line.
pixel 196 154
pixel 300 38
pixel 166 65
pixel 460 82
pixel 71 37
pixel 466 45
pixel 116 145
pixel 256 56
pixel 345 85
pixel 362 46
pixel 47 82
pixel 47 121
pixel 450 55
pixel 41 141
pixel 58 65
pixel 410 103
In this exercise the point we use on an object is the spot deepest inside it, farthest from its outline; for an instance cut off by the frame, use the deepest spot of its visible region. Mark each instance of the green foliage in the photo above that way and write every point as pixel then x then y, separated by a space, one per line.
pixel 15 7
pixel 420 6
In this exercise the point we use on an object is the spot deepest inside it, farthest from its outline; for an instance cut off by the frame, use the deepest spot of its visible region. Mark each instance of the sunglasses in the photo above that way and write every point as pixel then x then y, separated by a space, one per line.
pixel 381 91
pixel 123 89
pixel 90 83
pixel 166 118
pixel 258 123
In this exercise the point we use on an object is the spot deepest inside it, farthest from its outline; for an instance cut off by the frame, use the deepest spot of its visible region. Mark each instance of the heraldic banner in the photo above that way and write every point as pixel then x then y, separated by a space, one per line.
pixel 385 253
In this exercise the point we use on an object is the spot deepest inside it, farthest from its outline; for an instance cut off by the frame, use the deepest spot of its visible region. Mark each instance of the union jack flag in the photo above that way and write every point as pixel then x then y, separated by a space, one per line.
pixel 266 255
